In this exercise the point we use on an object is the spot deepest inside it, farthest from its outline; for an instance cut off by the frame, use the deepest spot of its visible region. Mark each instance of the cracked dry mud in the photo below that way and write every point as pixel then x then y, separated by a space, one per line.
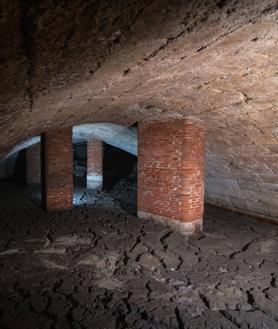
pixel 99 267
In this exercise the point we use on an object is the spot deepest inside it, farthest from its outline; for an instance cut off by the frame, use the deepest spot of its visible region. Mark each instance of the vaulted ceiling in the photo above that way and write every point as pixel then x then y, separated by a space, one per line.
pixel 66 63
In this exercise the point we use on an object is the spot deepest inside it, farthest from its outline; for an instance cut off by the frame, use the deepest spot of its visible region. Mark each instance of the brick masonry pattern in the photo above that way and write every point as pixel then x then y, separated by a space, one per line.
pixel 94 156
pixel 171 170
pixel 57 166
pixel 33 164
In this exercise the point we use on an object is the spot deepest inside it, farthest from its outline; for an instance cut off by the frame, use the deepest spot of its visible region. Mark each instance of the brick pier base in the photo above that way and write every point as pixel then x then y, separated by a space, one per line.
pixel 57 166
pixel 33 164
pixel 171 174
pixel 94 164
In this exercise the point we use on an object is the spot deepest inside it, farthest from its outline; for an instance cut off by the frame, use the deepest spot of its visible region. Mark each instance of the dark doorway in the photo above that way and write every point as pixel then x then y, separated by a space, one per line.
pixel 20 168
pixel 79 164
pixel 120 176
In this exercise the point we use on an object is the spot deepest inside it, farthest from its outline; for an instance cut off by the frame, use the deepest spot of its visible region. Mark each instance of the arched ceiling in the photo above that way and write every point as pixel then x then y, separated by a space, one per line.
pixel 124 138
pixel 71 62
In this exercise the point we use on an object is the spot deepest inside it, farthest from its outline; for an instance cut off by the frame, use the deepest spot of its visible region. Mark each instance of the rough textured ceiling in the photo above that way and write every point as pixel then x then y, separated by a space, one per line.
pixel 71 62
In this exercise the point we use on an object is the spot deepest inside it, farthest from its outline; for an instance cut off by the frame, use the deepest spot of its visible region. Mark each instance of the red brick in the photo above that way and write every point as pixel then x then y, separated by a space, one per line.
pixel 94 164
pixel 57 164
pixel 171 170
pixel 33 164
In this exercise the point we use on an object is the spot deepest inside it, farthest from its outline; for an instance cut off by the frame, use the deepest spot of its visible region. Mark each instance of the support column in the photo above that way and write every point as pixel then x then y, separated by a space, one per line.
pixel 171 174
pixel 94 165
pixel 57 167
pixel 33 164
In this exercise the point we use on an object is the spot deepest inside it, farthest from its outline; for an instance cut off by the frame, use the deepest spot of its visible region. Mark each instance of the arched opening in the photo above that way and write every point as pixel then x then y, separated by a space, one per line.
pixel 104 159
pixel 120 177
pixel 102 170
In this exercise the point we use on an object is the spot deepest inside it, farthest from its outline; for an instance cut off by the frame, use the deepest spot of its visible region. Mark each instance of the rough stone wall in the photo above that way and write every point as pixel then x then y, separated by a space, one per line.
pixel 33 164
pixel 242 159
pixel 57 163
pixel 171 170
pixel 252 190
pixel 94 164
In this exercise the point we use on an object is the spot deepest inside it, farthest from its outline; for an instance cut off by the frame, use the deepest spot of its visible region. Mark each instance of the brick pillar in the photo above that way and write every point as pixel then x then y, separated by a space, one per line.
pixel 57 167
pixel 33 164
pixel 171 174
pixel 94 164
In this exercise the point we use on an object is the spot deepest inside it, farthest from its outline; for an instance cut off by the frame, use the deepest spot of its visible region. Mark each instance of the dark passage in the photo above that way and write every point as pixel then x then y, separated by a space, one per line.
pixel 120 177
pixel 117 165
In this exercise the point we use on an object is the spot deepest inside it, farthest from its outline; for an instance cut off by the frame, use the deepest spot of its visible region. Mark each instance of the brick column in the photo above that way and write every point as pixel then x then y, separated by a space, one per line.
pixel 171 174
pixel 57 163
pixel 94 164
pixel 33 164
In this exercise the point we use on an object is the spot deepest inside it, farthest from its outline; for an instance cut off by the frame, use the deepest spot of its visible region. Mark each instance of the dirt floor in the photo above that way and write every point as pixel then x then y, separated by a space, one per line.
pixel 100 267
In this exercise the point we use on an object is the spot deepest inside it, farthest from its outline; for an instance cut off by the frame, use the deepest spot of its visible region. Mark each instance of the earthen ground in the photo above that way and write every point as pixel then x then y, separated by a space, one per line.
pixel 97 266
